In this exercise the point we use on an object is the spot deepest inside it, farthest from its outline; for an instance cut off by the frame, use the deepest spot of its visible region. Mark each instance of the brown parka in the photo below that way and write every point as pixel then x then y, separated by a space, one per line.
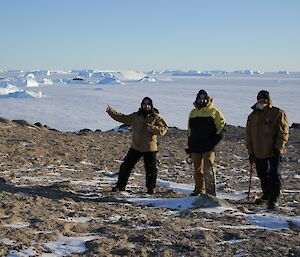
pixel 144 128
pixel 266 130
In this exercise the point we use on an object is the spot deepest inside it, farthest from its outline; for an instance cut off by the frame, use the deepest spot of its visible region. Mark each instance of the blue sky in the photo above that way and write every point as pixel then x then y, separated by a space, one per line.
pixel 144 35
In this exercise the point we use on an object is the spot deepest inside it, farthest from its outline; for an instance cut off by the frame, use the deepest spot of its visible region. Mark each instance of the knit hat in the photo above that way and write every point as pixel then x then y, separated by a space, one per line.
pixel 263 94
pixel 147 100
pixel 202 95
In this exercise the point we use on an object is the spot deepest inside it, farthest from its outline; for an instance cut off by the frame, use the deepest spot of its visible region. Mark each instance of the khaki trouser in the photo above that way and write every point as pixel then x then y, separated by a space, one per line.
pixel 204 173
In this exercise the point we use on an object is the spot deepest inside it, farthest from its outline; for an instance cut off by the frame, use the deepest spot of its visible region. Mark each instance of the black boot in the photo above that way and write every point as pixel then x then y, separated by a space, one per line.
pixel 275 188
pixel 118 189
pixel 275 191
pixel 266 193
pixel 195 194
pixel 150 191
pixel 271 205
pixel 260 200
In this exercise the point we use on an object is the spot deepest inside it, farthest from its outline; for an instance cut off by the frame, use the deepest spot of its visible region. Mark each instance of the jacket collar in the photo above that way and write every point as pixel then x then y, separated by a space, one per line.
pixel 153 112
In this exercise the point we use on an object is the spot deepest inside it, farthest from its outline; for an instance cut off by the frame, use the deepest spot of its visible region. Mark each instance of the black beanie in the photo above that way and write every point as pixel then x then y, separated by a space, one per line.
pixel 263 94
pixel 202 95
pixel 147 100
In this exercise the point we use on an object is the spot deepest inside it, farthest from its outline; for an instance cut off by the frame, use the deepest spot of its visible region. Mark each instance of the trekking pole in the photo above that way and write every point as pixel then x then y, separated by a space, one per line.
pixel 250 181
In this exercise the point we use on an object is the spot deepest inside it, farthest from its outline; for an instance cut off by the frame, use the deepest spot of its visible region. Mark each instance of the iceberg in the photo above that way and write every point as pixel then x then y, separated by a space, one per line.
pixel 10 91
pixel 130 75
pixel 244 72
pixel 98 75
pixel 60 81
pixel 191 73
pixel 31 83
pixel 85 74
pixel 110 80
pixel 259 72
pixel 285 72
pixel 147 79
pixel 25 94
pixel 6 89
pixel 40 72
pixel 29 76
pixel 46 81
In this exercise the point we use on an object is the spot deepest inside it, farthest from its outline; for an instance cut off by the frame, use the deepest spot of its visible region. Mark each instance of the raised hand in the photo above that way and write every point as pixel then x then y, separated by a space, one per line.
pixel 108 109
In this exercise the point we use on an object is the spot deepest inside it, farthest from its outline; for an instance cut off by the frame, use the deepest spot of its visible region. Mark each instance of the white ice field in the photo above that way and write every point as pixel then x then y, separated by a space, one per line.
pixel 56 99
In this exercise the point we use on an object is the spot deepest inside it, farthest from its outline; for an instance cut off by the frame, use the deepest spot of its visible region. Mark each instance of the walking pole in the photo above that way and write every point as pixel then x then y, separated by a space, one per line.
pixel 250 180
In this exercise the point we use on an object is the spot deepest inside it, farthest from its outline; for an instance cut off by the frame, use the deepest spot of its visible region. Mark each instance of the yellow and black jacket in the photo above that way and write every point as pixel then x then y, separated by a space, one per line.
pixel 205 126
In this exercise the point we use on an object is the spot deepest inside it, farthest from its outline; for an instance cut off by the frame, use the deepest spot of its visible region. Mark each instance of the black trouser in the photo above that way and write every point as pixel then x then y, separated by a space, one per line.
pixel 270 177
pixel 129 162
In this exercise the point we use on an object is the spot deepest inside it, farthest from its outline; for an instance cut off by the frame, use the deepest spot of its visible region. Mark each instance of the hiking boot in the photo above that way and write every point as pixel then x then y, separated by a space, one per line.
pixel 272 205
pixel 118 189
pixel 150 191
pixel 261 200
pixel 195 194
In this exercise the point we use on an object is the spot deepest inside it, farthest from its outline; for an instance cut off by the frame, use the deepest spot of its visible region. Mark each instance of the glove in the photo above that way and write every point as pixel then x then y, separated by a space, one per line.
pixel 252 159
pixel 188 151
pixel 275 152
pixel 215 140
pixel 189 158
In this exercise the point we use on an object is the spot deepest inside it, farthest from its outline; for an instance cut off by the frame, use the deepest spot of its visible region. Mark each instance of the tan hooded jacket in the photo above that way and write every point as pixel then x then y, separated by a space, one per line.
pixel 266 130
pixel 143 140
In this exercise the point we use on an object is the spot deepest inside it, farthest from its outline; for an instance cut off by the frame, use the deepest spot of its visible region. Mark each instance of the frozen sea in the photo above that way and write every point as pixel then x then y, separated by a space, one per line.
pixel 71 107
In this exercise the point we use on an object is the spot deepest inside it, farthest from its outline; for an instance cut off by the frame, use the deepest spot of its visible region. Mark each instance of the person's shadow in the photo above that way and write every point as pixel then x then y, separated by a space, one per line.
pixel 57 192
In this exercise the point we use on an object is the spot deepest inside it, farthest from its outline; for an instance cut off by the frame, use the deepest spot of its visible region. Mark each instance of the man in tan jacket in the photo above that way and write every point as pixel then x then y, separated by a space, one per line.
pixel 266 136
pixel 146 124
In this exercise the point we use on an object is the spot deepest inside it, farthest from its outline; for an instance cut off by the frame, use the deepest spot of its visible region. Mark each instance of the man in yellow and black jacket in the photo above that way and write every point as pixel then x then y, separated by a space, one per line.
pixel 205 126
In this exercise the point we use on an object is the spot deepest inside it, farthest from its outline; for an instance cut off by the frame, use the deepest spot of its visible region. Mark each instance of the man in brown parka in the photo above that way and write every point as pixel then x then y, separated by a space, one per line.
pixel 266 136
pixel 146 124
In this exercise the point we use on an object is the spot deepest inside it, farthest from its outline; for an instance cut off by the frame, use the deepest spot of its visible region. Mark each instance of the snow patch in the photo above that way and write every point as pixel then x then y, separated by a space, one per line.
pixel 25 253
pixel 18 225
pixel 78 219
pixel 68 245
pixel 273 221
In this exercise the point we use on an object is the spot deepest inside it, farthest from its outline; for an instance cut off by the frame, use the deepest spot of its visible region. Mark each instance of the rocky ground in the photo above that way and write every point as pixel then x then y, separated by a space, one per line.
pixel 57 198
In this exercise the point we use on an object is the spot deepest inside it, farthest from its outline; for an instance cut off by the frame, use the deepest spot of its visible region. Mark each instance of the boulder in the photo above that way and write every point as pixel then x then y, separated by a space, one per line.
pixel 209 201
pixel 84 131
pixel 38 124
pixel 24 123
pixel 295 125
pixel 5 123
